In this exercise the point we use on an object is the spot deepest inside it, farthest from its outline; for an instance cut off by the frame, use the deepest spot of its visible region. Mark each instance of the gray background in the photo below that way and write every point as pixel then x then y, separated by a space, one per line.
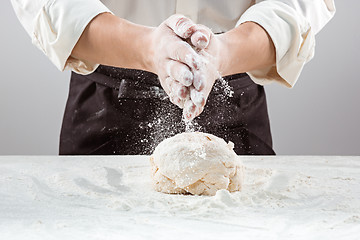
pixel 320 116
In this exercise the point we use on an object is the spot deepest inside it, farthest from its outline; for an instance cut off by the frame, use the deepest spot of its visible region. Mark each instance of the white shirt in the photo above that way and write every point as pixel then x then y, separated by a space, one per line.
pixel 56 25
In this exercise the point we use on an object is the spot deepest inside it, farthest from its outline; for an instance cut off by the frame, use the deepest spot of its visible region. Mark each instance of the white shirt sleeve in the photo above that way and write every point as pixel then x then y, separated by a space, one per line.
pixel 292 25
pixel 55 26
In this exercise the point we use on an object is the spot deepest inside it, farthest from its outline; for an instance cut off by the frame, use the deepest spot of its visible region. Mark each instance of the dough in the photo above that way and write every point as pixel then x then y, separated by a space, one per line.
pixel 196 163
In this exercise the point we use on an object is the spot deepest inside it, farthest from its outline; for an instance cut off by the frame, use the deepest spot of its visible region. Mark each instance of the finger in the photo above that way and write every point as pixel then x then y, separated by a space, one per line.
pixel 178 93
pixel 169 81
pixel 183 101
pixel 172 96
pixel 180 72
pixel 197 97
pixel 176 100
pixel 198 111
pixel 180 90
pixel 201 36
pixel 190 115
pixel 181 25
pixel 189 110
pixel 199 80
pixel 199 40
pixel 164 83
pixel 182 52
pixel 177 88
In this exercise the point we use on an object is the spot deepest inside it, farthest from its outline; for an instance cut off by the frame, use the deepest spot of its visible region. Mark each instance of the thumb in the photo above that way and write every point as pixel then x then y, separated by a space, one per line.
pixel 181 25
pixel 199 35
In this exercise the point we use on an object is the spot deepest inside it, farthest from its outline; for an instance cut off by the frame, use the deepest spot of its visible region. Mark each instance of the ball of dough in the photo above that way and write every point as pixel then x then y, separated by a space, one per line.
pixel 196 163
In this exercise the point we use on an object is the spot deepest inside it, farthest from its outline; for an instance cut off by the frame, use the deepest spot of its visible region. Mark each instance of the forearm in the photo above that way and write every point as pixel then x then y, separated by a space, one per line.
pixel 113 41
pixel 247 47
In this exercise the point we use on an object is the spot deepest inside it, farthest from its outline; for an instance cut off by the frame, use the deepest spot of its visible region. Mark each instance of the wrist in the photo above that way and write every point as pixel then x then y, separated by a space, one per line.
pixel 146 48
pixel 246 48
pixel 224 55
pixel 261 48
pixel 132 46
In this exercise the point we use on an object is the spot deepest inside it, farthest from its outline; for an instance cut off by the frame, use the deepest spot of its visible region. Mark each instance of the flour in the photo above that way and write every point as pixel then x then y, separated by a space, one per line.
pixel 290 197
pixel 197 97
pixel 225 87
pixel 192 126
pixel 221 89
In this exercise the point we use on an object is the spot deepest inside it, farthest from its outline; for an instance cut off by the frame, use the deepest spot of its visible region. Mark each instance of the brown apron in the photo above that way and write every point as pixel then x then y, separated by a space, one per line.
pixel 125 111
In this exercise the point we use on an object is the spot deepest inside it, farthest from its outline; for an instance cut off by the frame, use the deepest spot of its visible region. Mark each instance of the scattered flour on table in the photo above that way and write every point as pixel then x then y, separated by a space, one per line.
pixel 310 197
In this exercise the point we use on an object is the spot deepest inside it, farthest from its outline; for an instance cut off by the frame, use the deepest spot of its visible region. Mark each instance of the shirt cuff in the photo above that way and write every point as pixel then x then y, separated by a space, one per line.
pixel 292 36
pixel 58 27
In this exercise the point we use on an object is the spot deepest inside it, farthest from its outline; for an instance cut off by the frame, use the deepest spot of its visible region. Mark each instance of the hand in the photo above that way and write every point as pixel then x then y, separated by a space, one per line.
pixel 210 52
pixel 174 60
pixel 166 51
pixel 242 49
pixel 186 68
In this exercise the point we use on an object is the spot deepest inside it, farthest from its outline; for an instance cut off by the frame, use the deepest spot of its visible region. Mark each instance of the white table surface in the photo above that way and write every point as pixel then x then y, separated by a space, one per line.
pixel 88 197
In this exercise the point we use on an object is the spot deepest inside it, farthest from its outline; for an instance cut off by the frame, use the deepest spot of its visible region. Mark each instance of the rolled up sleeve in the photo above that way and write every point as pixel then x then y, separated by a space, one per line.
pixel 55 26
pixel 292 25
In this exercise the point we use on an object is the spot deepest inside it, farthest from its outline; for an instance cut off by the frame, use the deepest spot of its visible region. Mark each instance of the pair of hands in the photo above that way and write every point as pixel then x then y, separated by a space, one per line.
pixel 186 57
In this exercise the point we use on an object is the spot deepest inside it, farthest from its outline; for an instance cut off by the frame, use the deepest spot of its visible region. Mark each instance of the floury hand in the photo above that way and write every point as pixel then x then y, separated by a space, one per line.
pixel 193 98
pixel 173 59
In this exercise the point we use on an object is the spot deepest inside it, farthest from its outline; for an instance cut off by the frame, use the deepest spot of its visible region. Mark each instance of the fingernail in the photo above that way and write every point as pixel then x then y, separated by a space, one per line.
pixel 201 44
pixel 202 41
pixel 184 28
pixel 182 92
pixel 188 78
